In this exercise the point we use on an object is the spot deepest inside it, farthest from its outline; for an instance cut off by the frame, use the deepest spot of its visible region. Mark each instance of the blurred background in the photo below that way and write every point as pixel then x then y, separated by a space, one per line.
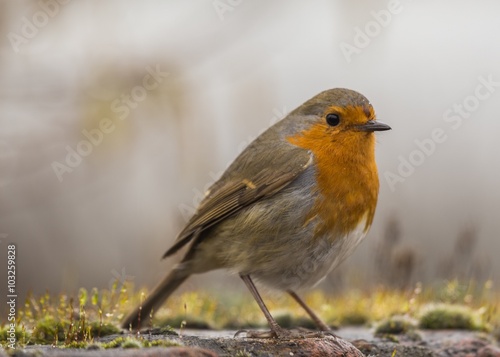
pixel 116 116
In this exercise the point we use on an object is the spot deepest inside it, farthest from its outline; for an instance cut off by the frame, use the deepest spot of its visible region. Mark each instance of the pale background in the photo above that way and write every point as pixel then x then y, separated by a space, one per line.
pixel 231 75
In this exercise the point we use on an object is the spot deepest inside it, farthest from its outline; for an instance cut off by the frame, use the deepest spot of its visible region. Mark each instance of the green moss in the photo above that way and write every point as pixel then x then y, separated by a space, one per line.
pixel 131 343
pixel 77 344
pixel 389 337
pixel 305 322
pixel 162 343
pixel 448 316
pixel 288 320
pixel 167 330
pixel 395 325
pixel 117 342
pixel 285 320
pixel 21 335
pixel 49 330
pixel 98 329
pixel 354 318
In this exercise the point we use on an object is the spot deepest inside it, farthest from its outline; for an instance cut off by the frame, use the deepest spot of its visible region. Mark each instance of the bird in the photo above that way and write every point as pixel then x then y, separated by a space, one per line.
pixel 291 207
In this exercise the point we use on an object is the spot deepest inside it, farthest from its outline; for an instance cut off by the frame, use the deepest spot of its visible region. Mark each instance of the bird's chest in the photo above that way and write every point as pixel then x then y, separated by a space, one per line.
pixel 345 200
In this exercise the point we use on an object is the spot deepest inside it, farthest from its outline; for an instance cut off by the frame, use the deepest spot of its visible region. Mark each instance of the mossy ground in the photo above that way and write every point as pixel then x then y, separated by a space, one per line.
pixel 78 322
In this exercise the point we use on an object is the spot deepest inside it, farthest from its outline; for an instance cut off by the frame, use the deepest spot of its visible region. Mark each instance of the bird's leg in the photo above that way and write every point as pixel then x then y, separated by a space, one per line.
pixel 276 330
pixel 321 325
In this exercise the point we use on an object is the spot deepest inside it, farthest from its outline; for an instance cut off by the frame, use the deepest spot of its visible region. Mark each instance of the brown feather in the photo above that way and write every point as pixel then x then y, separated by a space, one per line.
pixel 235 195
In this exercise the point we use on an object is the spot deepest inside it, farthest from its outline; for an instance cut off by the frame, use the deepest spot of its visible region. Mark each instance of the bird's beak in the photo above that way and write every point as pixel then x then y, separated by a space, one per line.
pixel 372 125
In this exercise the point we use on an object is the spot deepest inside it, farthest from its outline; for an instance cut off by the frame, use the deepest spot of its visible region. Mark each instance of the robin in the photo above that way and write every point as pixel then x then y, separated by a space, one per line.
pixel 291 207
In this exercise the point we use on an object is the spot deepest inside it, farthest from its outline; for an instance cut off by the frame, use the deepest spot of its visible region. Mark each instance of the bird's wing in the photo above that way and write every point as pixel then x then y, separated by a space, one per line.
pixel 236 194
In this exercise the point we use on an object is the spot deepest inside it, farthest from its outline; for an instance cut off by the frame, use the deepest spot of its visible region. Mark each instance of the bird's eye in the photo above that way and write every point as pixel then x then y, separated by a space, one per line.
pixel 333 119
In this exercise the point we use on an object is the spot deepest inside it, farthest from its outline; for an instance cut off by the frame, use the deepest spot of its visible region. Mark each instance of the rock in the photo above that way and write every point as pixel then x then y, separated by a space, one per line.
pixel 444 343
pixel 118 352
pixel 325 346
pixel 489 351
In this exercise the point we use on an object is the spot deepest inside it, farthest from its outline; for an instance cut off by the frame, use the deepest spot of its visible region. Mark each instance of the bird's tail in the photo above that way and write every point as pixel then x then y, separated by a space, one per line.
pixel 141 314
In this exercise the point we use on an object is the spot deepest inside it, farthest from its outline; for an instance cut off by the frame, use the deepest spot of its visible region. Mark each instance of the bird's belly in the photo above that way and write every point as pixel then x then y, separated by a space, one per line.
pixel 308 261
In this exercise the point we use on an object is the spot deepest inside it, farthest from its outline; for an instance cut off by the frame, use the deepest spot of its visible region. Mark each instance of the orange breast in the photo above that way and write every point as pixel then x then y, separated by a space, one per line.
pixel 347 178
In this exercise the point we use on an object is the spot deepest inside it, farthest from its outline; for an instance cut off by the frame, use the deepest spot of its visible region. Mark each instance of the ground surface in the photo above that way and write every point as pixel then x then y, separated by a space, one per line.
pixel 222 343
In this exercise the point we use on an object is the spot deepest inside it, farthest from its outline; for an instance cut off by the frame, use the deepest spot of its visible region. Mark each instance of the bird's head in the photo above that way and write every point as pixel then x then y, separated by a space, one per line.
pixel 339 116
